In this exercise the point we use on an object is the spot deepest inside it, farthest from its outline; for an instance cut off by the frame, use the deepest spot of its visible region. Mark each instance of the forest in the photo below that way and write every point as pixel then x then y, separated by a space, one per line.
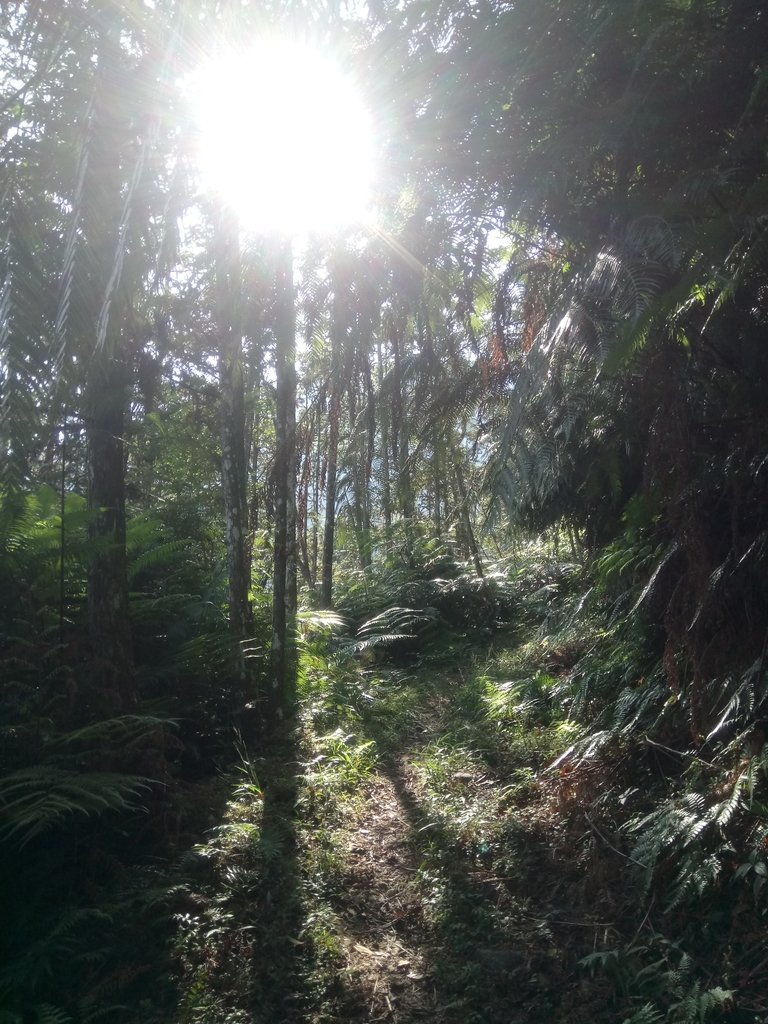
pixel 383 592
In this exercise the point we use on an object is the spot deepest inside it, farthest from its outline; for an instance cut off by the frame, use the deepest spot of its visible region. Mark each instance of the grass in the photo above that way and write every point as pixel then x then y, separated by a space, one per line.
pixel 408 853
pixel 453 761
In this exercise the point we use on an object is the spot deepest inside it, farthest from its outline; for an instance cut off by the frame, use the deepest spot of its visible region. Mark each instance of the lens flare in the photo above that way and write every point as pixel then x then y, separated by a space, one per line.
pixel 284 138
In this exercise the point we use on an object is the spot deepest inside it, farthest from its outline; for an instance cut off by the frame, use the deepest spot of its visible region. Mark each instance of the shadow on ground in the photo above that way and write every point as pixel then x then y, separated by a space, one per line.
pixel 479 957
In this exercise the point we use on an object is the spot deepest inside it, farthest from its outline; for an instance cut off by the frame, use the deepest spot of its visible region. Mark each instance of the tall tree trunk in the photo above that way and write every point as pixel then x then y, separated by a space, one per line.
pixel 302 511
pixel 404 489
pixel 291 567
pixel 253 437
pixel 358 450
pixel 466 520
pixel 317 485
pixel 437 469
pixel 106 389
pixel 329 527
pixel 386 497
pixel 232 418
pixel 281 696
pixel 108 611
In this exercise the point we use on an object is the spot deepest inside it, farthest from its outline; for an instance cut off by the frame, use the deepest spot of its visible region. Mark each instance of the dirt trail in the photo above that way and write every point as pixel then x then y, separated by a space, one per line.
pixel 388 958
pixel 387 950
pixel 390 948
pixel 428 933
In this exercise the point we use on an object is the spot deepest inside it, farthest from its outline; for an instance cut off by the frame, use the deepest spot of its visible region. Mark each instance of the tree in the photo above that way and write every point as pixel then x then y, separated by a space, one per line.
pixel 229 301
pixel 281 691
pixel 338 340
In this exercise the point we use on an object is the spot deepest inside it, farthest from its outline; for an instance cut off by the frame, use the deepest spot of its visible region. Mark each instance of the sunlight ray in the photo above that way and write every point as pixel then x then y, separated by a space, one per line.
pixel 284 138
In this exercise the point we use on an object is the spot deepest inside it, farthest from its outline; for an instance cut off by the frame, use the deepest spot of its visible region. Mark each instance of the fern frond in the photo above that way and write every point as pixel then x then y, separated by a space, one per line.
pixel 647 1014
pixel 47 1014
pixel 119 733
pixel 159 556
pixel 35 800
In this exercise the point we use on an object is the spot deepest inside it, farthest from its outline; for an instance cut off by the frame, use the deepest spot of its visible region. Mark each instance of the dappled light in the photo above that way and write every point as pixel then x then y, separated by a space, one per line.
pixel 383 490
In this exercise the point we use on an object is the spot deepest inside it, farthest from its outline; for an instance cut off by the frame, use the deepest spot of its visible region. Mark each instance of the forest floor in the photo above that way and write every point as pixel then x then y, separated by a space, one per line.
pixel 398 858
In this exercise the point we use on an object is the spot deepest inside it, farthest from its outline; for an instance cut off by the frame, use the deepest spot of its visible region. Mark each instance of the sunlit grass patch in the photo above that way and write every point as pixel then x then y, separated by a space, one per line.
pixel 395 704
pixel 341 763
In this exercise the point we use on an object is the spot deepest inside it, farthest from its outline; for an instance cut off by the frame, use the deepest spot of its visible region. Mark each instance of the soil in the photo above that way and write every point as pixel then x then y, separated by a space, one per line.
pixel 403 966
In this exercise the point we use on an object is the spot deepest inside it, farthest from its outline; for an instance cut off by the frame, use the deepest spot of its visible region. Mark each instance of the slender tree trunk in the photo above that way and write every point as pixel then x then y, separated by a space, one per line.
pixel 465 516
pixel 437 470
pixel 404 488
pixel 302 514
pixel 358 447
pixel 316 487
pixel 108 610
pixel 281 696
pixel 291 570
pixel 105 400
pixel 232 418
pixel 253 441
pixel 337 344
pixel 369 450
pixel 386 497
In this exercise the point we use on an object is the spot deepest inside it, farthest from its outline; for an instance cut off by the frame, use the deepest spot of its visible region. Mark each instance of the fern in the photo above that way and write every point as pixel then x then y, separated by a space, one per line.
pixel 696 1007
pixel 121 733
pixel 38 799
pixel 47 1014
pixel 689 833
pixel 62 941
pixel 160 556
pixel 647 1014
pixel 391 626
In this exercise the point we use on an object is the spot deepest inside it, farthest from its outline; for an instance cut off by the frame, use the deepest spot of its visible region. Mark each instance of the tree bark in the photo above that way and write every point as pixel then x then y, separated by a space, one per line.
pixel 386 497
pixel 108 608
pixel 437 469
pixel 404 488
pixel 281 695
pixel 466 520
pixel 105 399
pixel 329 528
pixel 232 418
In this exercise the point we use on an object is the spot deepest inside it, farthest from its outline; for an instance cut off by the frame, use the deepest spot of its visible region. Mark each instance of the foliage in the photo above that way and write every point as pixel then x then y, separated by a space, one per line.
pixel 551 349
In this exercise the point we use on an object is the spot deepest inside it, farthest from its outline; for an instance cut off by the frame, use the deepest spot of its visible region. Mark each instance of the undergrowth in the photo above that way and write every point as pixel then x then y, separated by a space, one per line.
pixel 575 854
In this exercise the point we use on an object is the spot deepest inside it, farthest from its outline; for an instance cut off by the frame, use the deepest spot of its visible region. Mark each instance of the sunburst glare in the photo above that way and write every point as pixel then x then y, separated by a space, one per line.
pixel 284 138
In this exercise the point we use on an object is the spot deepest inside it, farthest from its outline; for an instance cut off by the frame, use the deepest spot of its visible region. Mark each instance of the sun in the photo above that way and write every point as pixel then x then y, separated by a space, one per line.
pixel 284 138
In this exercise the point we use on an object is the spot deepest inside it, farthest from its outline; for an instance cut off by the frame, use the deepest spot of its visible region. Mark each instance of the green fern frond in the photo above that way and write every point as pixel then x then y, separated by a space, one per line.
pixel 161 555
pixel 38 799
pixel 647 1014
pixel 47 1014
pixel 724 811
pixel 62 941
pixel 121 733
pixel 696 1007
